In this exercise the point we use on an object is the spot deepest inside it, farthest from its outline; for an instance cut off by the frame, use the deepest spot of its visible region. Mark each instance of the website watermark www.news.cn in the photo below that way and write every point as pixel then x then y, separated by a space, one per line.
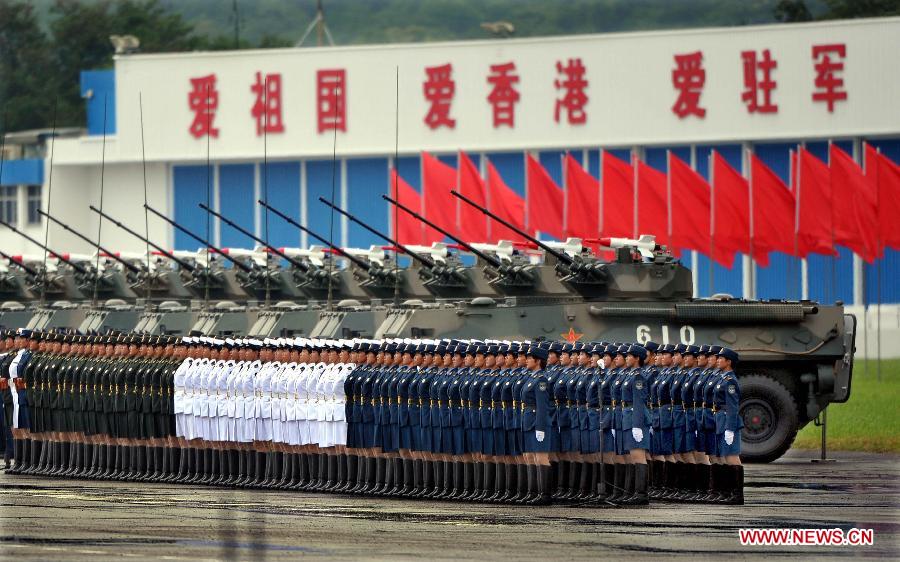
pixel 807 537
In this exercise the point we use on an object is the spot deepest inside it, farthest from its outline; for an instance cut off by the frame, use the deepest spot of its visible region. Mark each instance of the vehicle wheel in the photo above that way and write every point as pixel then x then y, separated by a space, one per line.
pixel 770 416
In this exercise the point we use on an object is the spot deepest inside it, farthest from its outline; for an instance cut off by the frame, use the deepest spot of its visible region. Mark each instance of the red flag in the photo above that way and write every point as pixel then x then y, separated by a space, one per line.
pixel 690 207
pixel 885 175
pixel 854 218
pixel 617 206
pixel 730 212
pixel 653 203
pixel 583 218
pixel 773 212
pixel 545 201
pixel 472 222
pixel 408 229
pixel 506 204
pixel 812 192
pixel 438 180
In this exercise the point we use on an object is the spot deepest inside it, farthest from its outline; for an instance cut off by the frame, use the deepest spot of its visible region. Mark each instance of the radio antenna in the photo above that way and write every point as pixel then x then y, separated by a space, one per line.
pixel 331 224
pixel 49 198
pixel 100 217
pixel 396 182
pixel 147 279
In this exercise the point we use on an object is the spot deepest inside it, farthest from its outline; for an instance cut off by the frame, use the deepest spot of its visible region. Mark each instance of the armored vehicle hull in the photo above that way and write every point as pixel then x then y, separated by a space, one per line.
pixel 796 357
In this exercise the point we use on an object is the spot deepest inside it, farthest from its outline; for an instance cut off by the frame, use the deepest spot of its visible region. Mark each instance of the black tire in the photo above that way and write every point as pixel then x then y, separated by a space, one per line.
pixel 771 419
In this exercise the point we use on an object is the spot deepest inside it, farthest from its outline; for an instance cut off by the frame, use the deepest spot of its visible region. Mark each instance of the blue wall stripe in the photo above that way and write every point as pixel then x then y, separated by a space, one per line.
pixel 410 169
pixel 236 203
pixel 594 163
pixel 552 162
pixel 284 194
pixel 782 279
pixel 724 280
pixel 189 184
pixel 367 181
pixel 887 269
pixel 511 167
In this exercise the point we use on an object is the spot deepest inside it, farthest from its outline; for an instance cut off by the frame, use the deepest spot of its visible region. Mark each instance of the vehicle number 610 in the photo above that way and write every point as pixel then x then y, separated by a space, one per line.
pixel 645 334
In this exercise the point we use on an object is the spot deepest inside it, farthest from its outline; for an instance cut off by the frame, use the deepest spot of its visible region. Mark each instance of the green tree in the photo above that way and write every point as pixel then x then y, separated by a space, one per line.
pixel 26 90
pixel 81 31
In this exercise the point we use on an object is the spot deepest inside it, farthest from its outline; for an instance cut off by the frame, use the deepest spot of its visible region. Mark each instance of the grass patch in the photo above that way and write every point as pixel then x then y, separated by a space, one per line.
pixel 870 420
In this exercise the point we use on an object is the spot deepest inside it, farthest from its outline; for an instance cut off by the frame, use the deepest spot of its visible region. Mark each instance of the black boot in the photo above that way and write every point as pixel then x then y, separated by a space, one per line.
pixel 376 477
pixel 542 483
pixel 447 488
pixel 733 490
pixel 593 470
pixel 418 474
pixel 331 473
pixel 716 484
pixel 520 483
pixel 360 477
pixel 572 480
pixel 510 484
pixel 562 480
pixel 487 484
pixel 700 485
pixel 456 482
pixel 674 477
pixel 476 481
pixel 427 479
pixel 618 488
pixel 640 478
pixel 438 471
pixel 408 484
pixel 584 483
pixel 628 485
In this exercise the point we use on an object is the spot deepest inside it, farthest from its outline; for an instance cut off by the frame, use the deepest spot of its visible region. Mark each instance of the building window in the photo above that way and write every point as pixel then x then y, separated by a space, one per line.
pixel 9 208
pixel 34 204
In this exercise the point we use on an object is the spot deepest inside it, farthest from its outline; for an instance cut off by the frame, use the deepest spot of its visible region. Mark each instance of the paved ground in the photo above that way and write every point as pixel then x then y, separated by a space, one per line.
pixel 43 519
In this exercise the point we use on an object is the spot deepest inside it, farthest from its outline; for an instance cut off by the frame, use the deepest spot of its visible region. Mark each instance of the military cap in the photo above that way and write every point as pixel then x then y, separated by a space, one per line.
pixel 692 350
pixel 622 350
pixel 638 351
pixel 538 352
pixel 514 348
pixel 729 354
pixel 680 348
pixel 651 346
pixel 715 349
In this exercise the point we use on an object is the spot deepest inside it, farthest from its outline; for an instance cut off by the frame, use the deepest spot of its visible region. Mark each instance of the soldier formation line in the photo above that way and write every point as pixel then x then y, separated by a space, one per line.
pixel 487 421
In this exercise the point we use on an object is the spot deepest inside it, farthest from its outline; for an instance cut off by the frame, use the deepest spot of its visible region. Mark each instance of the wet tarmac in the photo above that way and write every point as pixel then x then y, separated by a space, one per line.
pixel 51 519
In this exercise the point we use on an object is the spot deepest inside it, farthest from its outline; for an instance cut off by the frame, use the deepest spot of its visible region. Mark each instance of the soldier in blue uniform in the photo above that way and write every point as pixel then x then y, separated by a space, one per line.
pixel 617 377
pixel 535 423
pixel 728 473
pixel 636 427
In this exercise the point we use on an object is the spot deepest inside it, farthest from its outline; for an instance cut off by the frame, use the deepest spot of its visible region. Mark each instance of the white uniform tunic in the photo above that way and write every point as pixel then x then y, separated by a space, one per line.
pixel 179 398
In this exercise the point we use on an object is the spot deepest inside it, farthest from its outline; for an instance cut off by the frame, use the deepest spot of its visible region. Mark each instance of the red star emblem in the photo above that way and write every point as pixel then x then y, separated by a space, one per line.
pixel 571 336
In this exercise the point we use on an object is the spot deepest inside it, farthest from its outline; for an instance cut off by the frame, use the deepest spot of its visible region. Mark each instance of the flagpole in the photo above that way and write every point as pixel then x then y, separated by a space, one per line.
pixel 878 266
pixel 634 174
pixel 751 264
pixel 600 204
pixel 712 220
pixel 878 275
pixel 484 165
pixel 833 288
pixel 804 262
pixel 565 182
pixel 669 196
pixel 794 159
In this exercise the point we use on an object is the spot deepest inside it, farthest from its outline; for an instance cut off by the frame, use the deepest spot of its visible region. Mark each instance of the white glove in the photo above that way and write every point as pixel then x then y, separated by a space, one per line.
pixel 637 433
pixel 651 430
pixel 601 363
pixel 729 437
pixel 540 436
